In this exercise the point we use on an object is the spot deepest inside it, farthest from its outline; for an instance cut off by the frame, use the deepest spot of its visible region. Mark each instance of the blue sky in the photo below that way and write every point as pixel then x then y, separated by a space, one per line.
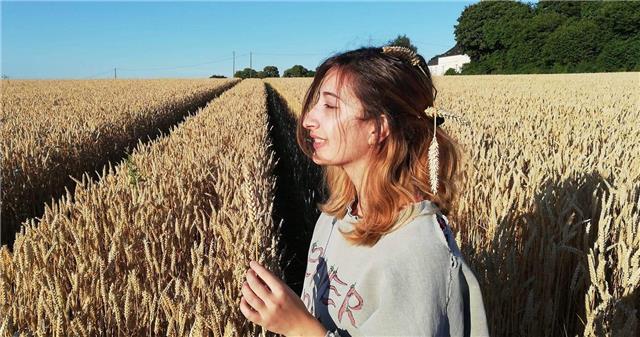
pixel 196 39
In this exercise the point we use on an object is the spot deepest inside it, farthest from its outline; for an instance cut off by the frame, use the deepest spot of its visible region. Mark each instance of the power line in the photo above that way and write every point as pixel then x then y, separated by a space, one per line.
pixel 127 69
pixel 180 67
pixel 289 54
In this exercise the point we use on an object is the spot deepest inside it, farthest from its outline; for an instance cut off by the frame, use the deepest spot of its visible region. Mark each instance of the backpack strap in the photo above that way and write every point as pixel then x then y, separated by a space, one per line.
pixel 444 225
pixel 441 221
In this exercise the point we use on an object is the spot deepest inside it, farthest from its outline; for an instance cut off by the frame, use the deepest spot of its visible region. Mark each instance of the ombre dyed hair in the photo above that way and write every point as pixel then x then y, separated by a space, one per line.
pixel 398 172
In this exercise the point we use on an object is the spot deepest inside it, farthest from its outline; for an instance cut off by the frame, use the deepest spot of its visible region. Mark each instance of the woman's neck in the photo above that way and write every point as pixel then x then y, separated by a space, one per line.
pixel 358 212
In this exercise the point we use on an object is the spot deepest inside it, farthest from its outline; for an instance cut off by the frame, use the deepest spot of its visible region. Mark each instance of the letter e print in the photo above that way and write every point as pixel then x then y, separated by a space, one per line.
pixel 340 290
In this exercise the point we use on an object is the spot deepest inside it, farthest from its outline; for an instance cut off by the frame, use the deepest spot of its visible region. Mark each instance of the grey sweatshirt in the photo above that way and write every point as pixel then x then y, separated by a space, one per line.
pixel 411 283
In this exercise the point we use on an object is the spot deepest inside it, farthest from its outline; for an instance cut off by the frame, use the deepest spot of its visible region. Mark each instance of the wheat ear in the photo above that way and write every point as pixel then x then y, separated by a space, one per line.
pixel 402 53
pixel 459 118
pixel 433 154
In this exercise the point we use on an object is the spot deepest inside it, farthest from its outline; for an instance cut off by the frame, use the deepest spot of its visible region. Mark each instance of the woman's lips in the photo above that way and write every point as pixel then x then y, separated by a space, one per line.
pixel 317 143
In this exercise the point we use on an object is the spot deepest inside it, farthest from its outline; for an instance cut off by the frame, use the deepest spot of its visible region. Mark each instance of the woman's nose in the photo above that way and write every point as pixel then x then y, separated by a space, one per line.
pixel 309 120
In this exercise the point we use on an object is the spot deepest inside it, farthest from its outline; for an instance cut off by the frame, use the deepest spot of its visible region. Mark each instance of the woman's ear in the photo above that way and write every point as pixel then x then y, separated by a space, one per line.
pixel 384 131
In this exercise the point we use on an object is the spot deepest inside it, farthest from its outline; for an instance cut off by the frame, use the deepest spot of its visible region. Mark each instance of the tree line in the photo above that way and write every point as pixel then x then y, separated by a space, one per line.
pixel 550 37
pixel 272 71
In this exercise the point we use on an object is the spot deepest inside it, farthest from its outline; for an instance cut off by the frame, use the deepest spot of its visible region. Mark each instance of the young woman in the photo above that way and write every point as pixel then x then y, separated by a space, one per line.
pixel 382 259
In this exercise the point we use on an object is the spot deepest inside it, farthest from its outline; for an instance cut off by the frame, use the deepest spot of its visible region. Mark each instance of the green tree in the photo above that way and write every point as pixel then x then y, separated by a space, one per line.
pixel 246 73
pixel 298 71
pixel 451 71
pixel 270 71
pixel 549 36
pixel 475 32
pixel 573 42
pixel 505 31
pixel 402 41
pixel 533 36
pixel 568 9
pixel 620 18
pixel 620 55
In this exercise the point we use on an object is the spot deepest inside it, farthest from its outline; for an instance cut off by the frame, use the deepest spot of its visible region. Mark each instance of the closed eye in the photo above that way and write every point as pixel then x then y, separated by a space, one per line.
pixel 329 106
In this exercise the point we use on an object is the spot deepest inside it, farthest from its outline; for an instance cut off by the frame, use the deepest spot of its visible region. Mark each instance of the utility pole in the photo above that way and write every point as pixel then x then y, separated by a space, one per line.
pixel 233 74
pixel 250 63
pixel 115 74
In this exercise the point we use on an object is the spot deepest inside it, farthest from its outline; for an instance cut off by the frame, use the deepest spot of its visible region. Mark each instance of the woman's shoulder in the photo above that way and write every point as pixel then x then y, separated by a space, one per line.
pixel 424 228
pixel 419 238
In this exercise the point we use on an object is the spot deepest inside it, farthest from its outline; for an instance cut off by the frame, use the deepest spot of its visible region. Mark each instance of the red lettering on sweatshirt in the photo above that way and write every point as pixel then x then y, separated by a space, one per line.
pixel 330 287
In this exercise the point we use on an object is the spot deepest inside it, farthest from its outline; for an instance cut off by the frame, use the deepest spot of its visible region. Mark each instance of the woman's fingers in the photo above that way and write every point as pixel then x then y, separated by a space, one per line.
pixel 248 311
pixel 271 281
pixel 251 297
pixel 258 286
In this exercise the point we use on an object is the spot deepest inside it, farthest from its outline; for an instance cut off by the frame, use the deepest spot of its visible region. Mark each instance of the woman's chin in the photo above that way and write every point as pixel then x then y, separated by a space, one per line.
pixel 317 159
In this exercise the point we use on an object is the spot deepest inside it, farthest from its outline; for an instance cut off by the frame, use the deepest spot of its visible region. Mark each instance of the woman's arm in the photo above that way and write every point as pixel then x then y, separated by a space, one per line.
pixel 311 327
pixel 413 296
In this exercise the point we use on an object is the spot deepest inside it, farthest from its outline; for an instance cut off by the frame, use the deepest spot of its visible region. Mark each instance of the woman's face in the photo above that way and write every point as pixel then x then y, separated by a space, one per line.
pixel 333 111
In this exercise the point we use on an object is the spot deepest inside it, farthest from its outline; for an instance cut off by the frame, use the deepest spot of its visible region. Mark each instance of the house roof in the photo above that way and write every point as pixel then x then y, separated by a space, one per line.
pixel 455 50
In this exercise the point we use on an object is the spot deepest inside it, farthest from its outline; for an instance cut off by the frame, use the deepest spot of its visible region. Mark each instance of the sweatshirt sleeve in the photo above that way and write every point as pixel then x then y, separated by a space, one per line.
pixel 413 295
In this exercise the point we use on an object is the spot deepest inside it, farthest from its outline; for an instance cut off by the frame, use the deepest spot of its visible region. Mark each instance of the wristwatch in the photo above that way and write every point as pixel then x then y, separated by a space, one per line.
pixel 332 333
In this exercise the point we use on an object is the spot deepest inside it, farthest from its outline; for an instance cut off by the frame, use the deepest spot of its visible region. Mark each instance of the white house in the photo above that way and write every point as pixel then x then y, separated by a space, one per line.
pixel 446 62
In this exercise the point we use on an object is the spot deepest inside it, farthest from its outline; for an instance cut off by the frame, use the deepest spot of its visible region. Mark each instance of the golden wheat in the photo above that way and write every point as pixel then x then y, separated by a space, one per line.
pixel 548 215
pixel 51 129
pixel 178 225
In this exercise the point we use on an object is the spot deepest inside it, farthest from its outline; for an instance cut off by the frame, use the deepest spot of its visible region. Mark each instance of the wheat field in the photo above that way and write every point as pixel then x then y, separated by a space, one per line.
pixel 53 129
pixel 548 214
pixel 153 246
